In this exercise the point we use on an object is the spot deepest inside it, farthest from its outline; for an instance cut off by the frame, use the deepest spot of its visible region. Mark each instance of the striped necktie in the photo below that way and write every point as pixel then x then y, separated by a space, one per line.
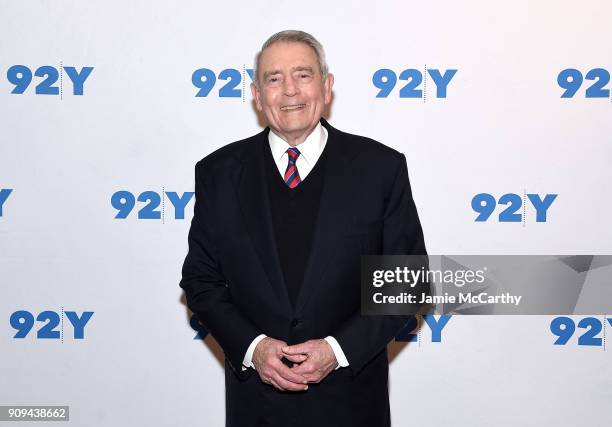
pixel 292 177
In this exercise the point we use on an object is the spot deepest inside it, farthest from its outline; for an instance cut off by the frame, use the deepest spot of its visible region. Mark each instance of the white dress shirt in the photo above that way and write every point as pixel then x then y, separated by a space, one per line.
pixel 310 151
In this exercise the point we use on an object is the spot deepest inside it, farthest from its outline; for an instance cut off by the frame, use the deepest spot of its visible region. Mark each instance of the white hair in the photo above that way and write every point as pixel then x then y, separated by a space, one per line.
pixel 297 37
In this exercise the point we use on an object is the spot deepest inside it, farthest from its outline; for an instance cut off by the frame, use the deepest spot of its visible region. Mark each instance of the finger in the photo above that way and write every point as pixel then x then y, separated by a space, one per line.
pixel 265 378
pixel 317 376
pixel 305 369
pixel 290 375
pixel 314 378
pixel 288 385
pixel 296 358
pixel 304 347
pixel 274 384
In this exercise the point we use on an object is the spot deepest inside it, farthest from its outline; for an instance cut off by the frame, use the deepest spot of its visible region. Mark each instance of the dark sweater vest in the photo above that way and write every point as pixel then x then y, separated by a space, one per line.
pixel 294 218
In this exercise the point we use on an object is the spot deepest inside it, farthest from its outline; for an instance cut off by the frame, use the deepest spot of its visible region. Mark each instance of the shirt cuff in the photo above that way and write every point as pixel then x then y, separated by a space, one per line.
pixel 340 357
pixel 248 357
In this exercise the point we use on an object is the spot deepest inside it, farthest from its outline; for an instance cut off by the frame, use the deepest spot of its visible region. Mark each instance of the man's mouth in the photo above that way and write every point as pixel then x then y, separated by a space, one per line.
pixel 292 107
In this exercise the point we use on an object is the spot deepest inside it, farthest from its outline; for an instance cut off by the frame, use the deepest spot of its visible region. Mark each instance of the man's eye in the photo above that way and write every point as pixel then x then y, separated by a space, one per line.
pixel 305 76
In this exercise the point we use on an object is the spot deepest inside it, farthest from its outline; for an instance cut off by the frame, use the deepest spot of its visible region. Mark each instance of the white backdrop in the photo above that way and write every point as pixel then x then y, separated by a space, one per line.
pixel 502 128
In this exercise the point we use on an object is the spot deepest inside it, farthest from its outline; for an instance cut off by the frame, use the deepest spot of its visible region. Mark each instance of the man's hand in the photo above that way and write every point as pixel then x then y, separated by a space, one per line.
pixel 320 361
pixel 267 360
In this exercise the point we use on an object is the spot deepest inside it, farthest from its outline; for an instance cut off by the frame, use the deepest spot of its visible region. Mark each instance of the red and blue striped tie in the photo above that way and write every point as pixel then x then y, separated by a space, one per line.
pixel 292 177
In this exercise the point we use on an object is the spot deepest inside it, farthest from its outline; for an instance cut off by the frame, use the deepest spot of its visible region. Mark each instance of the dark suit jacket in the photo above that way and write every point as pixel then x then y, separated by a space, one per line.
pixel 234 283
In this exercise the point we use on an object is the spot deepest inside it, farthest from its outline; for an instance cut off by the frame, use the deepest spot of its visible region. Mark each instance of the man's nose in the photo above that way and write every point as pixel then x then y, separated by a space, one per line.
pixel 291 88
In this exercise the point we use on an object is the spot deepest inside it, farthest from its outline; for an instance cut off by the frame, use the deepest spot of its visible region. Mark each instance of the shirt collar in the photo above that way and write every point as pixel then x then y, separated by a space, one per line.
pixel 310 149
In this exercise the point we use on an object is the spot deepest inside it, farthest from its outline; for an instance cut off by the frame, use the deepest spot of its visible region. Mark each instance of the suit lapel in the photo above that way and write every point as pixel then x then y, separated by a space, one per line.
pixel 255 206
pixel 331 215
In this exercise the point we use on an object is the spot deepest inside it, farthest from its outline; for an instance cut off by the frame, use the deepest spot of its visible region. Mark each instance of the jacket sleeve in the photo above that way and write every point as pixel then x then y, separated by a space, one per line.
pixel 363 337
pixel 206 289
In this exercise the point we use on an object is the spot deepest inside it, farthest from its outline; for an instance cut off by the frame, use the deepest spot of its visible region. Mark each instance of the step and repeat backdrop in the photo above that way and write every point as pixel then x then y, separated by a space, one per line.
pixel 504 113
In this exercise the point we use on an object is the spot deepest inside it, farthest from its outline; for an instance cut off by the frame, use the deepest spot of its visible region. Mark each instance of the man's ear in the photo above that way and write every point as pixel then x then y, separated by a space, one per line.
pixel 256 96
pixel 328 84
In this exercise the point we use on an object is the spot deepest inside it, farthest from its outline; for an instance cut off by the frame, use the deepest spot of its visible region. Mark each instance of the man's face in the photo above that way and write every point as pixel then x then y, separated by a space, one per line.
pixel 292 93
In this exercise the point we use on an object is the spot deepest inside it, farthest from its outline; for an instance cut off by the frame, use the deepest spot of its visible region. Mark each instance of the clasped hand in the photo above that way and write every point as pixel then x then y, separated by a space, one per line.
pixel 313 361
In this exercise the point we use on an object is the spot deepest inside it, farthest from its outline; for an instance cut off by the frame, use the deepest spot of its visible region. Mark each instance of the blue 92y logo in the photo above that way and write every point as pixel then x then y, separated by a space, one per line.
pixel 588 330
pixel 46 78
pixel 149 204
pixel 484 204
pixel 386 80
pixel 49 321
pixel 571 80
pixel 205 79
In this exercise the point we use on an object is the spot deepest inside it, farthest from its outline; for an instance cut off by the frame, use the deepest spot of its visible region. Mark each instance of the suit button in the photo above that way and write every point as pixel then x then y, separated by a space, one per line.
pixel 295 322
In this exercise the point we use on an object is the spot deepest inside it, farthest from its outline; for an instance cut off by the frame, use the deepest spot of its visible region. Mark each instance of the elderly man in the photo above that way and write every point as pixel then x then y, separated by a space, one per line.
pixel 273 269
